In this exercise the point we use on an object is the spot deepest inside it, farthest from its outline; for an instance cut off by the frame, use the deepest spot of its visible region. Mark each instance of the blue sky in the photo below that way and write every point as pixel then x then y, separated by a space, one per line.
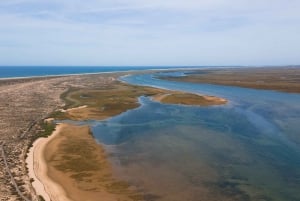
pixel 149 32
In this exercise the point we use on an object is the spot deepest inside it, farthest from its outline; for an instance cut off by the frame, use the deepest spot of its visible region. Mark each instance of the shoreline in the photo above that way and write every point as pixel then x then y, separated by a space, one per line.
pixel 97 73
pixel 40 163
pixel 141 70
pixel 55 179
pixel 40 168
pixel 135 70
pixel 37 169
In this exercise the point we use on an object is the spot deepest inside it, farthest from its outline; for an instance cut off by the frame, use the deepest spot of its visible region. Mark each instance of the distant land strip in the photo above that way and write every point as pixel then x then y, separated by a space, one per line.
pixel 285 79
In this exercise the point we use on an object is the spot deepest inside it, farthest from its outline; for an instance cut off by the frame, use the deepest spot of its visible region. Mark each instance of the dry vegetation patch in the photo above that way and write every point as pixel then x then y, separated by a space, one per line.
pixel 77 162
pixel 189 99
pixel 286 79
pixel 119 97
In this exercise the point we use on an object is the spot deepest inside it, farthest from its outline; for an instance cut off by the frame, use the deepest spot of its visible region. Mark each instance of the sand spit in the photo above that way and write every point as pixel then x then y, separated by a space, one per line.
pixel 74 109
pixel 37 169
pixel 71 166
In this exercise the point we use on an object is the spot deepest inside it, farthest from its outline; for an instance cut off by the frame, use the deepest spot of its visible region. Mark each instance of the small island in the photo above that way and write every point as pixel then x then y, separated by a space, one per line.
pixel 189 99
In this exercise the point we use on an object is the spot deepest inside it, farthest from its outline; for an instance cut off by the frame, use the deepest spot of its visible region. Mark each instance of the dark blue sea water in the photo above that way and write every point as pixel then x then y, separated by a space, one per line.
pixel 32 71
pixel 247 150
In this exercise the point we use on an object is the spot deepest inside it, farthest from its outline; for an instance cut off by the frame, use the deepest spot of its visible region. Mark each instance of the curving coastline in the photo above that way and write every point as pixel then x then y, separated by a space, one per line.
pixel 38 170
pixel 53 168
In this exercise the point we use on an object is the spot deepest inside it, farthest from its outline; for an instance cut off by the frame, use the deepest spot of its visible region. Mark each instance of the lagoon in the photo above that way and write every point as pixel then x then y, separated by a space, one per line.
pixel 245 150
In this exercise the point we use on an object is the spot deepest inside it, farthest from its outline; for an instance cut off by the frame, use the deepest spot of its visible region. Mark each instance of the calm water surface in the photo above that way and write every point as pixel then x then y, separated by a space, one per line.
pixel 36 71
pixel 246 150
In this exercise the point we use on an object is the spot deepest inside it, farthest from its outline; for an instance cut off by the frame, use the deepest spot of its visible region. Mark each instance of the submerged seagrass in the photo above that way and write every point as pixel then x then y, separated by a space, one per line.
pixel 76 161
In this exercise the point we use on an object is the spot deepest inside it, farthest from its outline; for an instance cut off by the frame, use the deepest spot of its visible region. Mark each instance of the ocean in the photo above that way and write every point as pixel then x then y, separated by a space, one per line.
pixel 36 71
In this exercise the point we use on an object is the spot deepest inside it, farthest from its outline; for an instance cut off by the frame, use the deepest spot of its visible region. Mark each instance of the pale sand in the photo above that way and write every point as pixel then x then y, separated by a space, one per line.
pixel 37 169
pixel 49 120
pixel 73 109
pixel 56 185
pixel 159 97
pixel 214 98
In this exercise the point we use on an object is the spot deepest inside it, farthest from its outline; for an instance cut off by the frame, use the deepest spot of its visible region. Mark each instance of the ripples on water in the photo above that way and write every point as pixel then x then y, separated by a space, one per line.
pixel 246 150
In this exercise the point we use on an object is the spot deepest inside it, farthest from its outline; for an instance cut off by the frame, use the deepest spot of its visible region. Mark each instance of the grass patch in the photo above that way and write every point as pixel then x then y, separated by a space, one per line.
pixel 45 130
pixel 186 99
pixel 286 79
pixel 79 155
pixel 59 115
pixel 69 103
pixel 103 103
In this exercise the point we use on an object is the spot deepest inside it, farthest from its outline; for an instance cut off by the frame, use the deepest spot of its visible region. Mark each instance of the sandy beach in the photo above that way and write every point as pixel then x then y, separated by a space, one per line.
pixel 38 170
pixel 90 179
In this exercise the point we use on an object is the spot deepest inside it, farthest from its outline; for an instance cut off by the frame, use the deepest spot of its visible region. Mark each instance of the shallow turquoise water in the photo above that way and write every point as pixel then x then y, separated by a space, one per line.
pixel 248 149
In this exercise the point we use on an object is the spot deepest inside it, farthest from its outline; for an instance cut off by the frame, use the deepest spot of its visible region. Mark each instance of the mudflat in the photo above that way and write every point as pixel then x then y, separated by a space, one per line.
pixel 76 162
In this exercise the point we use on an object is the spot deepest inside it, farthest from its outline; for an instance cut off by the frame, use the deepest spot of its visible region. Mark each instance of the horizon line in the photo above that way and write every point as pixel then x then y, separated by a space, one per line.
pixel 235 65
